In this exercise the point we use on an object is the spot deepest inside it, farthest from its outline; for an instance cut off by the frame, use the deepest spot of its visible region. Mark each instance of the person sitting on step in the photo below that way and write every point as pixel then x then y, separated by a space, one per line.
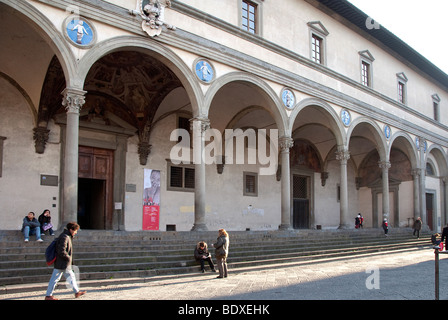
pixel 201 255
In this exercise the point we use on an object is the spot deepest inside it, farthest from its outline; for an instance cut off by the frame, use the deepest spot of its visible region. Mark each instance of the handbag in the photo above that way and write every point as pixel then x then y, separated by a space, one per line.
pixel 47 226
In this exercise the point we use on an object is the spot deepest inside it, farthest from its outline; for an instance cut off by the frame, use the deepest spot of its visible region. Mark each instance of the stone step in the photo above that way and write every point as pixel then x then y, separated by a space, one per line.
pixel 107 263
pixel 31 282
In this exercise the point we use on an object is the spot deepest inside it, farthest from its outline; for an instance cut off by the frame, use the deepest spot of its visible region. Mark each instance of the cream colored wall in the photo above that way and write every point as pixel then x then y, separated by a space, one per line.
pixel 343 44
pixel 225 204
pixel 20 189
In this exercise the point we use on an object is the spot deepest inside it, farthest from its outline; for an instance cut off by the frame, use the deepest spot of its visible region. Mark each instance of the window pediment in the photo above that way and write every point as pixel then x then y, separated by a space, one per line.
pixel 318 27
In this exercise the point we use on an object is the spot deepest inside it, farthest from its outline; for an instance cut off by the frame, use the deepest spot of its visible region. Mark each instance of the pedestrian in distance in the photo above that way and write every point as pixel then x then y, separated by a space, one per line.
pixel 357 222
pixel 437 242
pixel 63 263
pixel 202 255
pixel 45 222
pixel 385 226
pixel 30 226
pixel 221 252
pixel 417 227
pixel 445 236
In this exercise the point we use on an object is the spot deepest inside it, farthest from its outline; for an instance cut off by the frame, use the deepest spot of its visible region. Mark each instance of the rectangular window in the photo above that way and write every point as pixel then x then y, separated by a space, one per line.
pixel 316 48
pixel 436 111
pixel 250 181
pixel 249 16
pixel 365 73
pixel 1 153
pixel 184 123
pixel 180 178
pixel 401 92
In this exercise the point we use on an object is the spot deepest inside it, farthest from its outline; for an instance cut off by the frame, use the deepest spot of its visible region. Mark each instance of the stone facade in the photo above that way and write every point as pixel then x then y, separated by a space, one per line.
pixel 92 93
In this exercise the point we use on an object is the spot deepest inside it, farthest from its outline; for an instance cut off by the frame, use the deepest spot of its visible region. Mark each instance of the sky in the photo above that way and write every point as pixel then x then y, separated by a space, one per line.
pixel 423 25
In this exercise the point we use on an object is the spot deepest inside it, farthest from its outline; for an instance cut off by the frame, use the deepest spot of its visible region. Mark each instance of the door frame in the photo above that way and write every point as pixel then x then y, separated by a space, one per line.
pixel 99 158
pixel 309 175
pixel 116 140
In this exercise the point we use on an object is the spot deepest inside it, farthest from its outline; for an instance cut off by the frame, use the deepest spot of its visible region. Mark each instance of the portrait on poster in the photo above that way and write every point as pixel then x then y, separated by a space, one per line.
pixel 151 199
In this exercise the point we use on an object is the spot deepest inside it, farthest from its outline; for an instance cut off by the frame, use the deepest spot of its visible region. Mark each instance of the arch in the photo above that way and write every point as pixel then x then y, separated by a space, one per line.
pixel 440 157
pixel 379 139
pixel 53 37
pixel 409 146
pixel 25 95
pixel 274 108
pixel 335 125
pixel 154 49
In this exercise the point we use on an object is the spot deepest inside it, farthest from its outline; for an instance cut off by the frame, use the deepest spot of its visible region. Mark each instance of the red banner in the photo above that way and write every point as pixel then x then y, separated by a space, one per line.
pixel 151 217
pixel 151 200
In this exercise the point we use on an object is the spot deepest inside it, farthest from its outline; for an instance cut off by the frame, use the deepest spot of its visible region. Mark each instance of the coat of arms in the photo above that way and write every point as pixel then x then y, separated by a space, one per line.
pixel 152 13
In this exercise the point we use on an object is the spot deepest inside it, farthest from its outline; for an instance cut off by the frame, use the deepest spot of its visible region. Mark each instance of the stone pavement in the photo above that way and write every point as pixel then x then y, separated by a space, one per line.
pixel 381 276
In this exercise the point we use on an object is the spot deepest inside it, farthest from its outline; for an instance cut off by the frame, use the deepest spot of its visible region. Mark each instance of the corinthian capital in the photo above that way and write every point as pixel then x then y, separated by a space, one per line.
pixel 285 143
pixel 73 100
pixel 384 164
pixel 204 123
pixel 343 155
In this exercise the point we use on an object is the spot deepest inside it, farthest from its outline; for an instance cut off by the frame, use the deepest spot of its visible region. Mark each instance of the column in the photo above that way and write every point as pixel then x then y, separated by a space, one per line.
pixel 385 165
pixel 343 155
pixel 199 126
pixel 285 144
pixel 416 178
pixel 73 100
pixel 445 202
pixel 422 190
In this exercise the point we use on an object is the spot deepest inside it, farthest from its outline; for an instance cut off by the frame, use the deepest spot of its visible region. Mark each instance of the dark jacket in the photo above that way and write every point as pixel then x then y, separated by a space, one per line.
pixel 221 247
pixel 64 251
pixel 199 253
pixel 30 223
pixel 445 234
pixel 44 219
pixel 418 224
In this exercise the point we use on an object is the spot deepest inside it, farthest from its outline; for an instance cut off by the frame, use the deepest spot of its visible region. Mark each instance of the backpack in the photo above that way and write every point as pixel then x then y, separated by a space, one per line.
pixel 50 253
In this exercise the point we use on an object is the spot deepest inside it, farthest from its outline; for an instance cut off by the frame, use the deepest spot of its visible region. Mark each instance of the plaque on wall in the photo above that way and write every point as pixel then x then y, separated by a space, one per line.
pixel 345 117
pixel 288 98
pixel 204 70
pixel 79 31
pixel 48 180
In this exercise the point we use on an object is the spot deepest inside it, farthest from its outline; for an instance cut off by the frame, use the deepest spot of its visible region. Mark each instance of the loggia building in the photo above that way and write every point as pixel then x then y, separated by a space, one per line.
pixel 109 111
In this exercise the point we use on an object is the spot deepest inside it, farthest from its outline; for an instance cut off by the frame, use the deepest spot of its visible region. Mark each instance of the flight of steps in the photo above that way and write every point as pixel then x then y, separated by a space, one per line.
pixel 120 254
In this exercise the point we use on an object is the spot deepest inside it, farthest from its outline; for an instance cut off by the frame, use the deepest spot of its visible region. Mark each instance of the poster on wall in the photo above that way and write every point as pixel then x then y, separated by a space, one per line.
pixel 151 199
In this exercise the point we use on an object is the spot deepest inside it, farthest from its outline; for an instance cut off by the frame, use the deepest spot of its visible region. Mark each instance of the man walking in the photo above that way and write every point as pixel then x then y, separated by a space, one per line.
pixel 63 263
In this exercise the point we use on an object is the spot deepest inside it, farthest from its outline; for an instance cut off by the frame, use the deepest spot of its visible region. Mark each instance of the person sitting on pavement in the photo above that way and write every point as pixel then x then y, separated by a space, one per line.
pixel 201 255
pixel 31 226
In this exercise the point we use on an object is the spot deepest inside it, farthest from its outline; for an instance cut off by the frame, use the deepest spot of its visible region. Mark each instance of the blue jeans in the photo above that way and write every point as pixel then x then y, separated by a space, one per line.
pixel 56 276
pixel 27 231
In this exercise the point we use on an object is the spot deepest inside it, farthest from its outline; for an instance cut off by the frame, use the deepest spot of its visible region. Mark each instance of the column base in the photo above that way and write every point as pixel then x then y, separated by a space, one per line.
pixel 199 227
pixel 285 227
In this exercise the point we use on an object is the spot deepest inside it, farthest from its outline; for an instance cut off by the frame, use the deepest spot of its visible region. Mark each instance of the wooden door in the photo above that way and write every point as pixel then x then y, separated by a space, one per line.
pixel 95 171
pixel 301 202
